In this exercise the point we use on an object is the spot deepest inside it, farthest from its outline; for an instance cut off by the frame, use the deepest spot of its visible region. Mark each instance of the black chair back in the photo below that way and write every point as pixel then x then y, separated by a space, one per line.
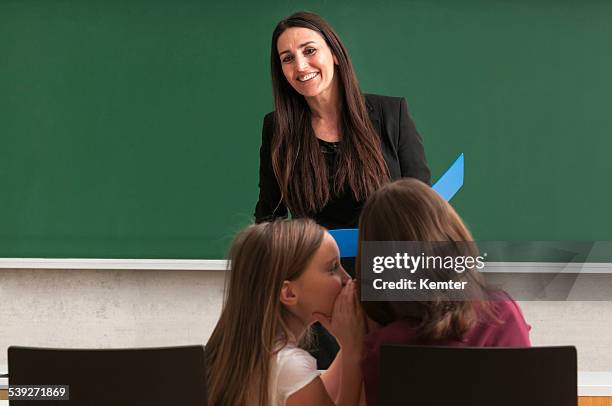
pixel 467 376
pixel 118 377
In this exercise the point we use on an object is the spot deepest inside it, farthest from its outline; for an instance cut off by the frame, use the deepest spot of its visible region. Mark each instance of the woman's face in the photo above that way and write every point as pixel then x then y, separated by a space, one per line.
pixel 307 62
pixel 320 283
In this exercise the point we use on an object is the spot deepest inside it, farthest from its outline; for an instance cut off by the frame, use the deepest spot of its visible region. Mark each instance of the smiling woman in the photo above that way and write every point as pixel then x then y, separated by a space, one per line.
pixel 327 146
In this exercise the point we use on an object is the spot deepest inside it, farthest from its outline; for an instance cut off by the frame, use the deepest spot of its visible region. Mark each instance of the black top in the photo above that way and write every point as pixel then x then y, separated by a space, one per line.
pixel 401 146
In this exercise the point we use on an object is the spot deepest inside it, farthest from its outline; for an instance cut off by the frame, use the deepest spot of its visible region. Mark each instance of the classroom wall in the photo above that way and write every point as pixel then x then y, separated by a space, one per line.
pixel 116 308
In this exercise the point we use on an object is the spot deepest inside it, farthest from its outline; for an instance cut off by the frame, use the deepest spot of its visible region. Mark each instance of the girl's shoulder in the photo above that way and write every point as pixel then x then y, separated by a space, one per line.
pixel 292 368
pixel 291 354
pixel 509 329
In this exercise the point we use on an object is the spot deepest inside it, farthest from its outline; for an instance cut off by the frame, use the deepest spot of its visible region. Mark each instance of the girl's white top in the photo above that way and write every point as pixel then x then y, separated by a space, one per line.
pixel 292 368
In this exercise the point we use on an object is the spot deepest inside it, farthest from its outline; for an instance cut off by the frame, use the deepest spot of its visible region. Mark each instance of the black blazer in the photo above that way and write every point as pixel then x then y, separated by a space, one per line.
pixel 401 145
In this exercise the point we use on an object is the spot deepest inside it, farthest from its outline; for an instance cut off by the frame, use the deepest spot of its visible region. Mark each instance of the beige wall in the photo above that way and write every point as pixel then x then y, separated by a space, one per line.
pixel 111 308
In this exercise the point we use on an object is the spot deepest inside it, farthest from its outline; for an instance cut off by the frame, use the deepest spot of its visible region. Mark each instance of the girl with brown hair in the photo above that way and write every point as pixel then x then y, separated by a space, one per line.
pixel 284 276
pixel 409 210
pixel 327 146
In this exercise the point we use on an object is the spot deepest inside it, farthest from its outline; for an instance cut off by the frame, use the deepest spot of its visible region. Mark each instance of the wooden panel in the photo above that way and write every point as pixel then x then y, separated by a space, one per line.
pixel 582 401
pixel 594 401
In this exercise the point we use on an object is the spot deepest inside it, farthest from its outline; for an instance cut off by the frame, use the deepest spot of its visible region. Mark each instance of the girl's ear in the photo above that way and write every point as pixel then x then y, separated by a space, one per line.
pixel 335 59
pixel 288 296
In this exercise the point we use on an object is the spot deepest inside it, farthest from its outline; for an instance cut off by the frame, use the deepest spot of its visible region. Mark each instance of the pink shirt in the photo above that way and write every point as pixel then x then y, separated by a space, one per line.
pixel 513 331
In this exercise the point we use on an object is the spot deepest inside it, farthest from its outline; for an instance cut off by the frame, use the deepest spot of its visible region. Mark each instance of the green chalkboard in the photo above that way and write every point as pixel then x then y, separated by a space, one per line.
pixel 131 129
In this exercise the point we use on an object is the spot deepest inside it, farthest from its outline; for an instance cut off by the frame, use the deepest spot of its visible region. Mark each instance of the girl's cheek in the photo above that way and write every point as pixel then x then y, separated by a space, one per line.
pixel 338 288
pixel 339 282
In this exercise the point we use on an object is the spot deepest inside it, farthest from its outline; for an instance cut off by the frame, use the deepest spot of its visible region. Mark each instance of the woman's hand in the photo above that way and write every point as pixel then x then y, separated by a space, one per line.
pixel 346 322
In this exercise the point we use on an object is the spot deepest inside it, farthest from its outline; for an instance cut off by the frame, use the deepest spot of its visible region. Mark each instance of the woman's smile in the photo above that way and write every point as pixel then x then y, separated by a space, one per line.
pixel 307 77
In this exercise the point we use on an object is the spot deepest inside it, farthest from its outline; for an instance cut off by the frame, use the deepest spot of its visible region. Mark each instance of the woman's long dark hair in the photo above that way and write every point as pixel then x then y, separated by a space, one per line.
pixel 298 163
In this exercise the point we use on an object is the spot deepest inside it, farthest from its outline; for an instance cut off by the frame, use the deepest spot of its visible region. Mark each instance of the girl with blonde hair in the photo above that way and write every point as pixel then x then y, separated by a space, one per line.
pixel 284 276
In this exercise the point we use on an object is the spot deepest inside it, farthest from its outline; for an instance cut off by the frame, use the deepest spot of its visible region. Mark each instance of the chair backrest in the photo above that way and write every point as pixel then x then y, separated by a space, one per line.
pixel 468 376
pixel 103 377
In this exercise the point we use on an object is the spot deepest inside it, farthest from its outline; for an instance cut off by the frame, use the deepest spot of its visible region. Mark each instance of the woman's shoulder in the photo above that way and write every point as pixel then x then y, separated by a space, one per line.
pixel 269 117
pixel 268 128
pixel 268 121
pixel 381 102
